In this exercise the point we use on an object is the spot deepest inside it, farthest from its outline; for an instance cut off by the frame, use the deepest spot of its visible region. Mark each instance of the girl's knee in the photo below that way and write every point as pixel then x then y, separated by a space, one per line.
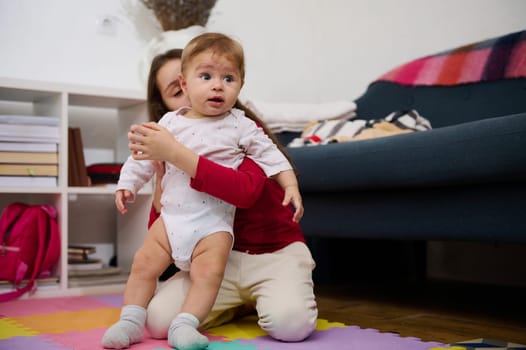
pixel 156 321
pixel 290 324
pixel 166 304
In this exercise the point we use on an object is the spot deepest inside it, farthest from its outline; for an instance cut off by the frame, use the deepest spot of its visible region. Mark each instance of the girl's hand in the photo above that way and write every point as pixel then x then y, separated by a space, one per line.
pixel 150 141
pixel 292 196
pixel 121 197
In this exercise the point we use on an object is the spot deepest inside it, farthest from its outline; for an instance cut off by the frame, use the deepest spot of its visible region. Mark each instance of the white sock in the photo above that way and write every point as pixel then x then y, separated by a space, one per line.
pixel 128 330
pixel 183 333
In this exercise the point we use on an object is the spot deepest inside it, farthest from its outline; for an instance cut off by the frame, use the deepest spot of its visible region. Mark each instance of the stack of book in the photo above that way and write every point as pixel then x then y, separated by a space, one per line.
pixel 77 171
pixel 86 270
pixel 29 151
pixel 81 258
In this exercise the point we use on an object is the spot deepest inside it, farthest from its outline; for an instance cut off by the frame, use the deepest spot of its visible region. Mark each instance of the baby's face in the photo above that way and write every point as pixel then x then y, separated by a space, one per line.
pixel 212 84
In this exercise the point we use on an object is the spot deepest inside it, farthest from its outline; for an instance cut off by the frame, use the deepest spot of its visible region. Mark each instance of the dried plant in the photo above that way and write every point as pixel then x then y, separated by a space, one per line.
pixel 179 14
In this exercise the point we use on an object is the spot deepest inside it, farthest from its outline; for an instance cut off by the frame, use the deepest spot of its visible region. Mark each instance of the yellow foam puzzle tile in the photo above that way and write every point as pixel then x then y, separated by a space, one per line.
pixel 62 322
pixel 10 328
pixel 247 328
pixel 323 325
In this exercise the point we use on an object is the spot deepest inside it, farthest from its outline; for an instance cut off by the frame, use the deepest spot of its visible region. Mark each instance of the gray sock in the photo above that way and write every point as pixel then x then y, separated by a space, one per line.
pixel 128 330
pixel 183 333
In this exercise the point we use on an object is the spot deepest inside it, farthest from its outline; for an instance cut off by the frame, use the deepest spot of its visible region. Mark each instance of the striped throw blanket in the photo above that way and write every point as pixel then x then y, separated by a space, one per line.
pixel 493 59
pixel 335 131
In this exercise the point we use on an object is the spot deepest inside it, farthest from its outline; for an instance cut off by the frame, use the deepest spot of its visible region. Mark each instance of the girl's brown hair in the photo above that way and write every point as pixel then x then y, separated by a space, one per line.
pixel 156 106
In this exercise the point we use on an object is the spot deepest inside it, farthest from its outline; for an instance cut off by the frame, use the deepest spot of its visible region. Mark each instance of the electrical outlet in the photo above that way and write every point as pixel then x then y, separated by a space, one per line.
pixel 107 25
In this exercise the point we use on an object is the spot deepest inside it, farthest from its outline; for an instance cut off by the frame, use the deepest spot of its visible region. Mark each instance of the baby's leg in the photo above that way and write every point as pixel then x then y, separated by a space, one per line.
pixel 148 264
pixel 206 273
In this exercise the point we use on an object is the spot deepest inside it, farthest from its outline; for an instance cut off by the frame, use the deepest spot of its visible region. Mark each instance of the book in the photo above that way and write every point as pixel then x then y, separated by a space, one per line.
pixel 80 254
pixel 41 281
pixel 29 169
pixel 28 181
pixel 8 138
pixel 88 264
pixel 77 171
pixel 97 280
pixel 105 271
pixel 29 157
pixel 29 119
pixel 27 132
pixel 29 146
pixel 82 249
pixel 81 162
pixel 73 174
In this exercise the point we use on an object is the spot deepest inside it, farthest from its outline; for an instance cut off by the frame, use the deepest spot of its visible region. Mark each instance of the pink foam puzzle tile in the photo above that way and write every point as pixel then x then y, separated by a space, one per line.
pixel 90 340
pixel 25 307
pixel 114 300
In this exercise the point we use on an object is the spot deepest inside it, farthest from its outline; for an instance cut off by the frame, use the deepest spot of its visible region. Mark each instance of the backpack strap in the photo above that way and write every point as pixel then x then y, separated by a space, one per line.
pixel 52 244
pixel 9 217
pixel 42 227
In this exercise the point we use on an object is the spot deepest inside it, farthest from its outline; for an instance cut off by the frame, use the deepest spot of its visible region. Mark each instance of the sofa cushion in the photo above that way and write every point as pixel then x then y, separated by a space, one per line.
pixel 484 151
pixel 445 105
pixel 492 212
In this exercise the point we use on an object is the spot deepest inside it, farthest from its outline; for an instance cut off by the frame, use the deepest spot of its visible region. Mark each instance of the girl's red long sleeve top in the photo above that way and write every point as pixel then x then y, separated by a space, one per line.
pixel 261 224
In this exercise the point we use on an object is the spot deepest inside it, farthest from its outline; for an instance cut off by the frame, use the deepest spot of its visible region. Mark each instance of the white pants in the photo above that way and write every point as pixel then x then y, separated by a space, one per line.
pixel 278 284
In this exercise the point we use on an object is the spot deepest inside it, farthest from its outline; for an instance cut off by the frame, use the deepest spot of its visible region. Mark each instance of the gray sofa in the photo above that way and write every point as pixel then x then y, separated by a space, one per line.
pixel 463 180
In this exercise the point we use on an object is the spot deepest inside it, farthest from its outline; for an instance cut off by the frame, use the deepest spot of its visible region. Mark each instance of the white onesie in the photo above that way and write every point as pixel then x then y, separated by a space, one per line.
pixel 190 215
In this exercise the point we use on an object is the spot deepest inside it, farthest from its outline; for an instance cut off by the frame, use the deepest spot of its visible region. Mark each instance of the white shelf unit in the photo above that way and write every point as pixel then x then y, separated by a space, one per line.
pixel 86 214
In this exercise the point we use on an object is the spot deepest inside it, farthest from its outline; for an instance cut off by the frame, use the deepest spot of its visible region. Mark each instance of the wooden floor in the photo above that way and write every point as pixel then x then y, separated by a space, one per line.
pixel 437 311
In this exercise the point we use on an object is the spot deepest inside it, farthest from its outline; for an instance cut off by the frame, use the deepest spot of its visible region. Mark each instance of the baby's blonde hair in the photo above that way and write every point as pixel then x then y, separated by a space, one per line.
pixel 218 44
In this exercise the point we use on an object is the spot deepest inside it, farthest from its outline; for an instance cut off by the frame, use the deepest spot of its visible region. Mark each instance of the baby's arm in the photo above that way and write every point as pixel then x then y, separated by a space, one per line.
pixel 287 180
pixel 133 175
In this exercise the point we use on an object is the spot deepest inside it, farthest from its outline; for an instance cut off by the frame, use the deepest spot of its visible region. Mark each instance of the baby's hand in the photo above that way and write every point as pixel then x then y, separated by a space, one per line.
pixel 292 196
pixel 121 197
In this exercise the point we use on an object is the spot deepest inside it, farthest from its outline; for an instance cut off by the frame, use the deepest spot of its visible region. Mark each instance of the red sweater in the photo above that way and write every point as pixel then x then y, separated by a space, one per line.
pixel 262 224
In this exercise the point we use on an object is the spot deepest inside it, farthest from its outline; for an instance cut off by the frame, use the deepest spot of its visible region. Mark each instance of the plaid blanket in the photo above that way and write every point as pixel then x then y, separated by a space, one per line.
pixel 493 59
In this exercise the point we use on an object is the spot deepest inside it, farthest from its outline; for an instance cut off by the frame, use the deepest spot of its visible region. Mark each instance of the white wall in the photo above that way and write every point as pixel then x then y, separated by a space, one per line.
pixel 297 50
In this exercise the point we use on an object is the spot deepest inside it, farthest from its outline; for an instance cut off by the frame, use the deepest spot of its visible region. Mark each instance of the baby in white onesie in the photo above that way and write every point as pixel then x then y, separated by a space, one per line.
pixel 189 215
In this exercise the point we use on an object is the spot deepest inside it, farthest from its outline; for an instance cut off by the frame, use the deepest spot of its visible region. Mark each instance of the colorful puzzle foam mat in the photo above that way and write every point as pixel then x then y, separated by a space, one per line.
pixel 78 323
pixel 487 344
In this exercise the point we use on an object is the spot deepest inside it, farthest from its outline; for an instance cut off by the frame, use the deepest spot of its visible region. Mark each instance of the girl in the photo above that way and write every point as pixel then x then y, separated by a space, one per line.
pixel 270 266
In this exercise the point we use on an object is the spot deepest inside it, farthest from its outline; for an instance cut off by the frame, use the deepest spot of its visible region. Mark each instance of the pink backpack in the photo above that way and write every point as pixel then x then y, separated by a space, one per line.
pixel 30 246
